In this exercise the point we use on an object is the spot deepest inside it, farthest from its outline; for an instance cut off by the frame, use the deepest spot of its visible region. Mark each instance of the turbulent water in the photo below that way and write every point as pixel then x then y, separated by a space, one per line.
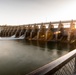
pixel 19 57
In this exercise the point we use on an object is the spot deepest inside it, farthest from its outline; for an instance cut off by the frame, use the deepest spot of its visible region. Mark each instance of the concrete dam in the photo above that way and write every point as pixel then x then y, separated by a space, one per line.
pixel 62 31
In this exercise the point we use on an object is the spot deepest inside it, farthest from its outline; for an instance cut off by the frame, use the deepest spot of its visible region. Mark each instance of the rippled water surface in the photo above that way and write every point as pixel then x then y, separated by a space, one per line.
pixel 19 57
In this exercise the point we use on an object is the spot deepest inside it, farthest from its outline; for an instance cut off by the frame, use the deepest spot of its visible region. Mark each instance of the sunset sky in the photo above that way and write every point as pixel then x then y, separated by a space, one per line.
pixel 34 11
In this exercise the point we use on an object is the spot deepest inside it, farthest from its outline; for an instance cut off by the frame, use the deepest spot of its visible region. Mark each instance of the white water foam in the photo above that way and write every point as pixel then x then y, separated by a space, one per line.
pixel 21 37
pixel 11 38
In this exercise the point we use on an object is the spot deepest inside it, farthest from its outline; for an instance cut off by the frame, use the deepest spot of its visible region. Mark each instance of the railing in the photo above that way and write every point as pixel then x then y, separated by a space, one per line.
pixel 65 65
pixel 67 21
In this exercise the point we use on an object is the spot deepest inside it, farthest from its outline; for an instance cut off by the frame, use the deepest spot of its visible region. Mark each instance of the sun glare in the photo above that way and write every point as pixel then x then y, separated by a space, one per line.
pixel 75 26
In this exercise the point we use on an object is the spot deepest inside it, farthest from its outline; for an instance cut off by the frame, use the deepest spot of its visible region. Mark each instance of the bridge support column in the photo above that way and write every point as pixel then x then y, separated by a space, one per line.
pixel 49 32
pixel 72 26
pixel 59 31
pixel 56 36
pixel 68 36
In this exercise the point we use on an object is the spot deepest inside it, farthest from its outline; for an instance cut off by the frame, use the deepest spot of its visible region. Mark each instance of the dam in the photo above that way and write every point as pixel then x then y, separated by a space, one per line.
pixel 62 31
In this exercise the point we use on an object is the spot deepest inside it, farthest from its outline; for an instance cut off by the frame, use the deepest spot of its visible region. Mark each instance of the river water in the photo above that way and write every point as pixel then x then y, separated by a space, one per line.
pixel 19 57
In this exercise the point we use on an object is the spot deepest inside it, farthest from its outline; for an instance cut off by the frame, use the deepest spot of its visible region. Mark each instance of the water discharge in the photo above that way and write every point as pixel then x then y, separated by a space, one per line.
pixel 12 38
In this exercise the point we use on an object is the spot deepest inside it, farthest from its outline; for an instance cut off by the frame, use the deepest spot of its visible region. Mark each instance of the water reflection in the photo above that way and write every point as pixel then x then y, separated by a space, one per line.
pixel 50 45
pixel 18 57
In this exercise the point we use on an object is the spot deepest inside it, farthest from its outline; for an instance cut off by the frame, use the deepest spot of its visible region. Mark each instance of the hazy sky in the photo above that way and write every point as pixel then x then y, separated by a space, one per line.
pixel 34 11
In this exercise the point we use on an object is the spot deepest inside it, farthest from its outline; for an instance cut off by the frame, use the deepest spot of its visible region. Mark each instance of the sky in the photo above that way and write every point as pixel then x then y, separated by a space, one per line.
pixel 19 12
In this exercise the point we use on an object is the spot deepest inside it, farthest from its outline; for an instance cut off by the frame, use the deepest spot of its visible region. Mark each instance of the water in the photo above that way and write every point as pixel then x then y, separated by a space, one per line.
pixel 19 57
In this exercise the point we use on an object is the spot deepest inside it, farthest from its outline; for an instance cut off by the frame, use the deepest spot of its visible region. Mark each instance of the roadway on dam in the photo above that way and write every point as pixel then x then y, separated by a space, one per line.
pixel 19 57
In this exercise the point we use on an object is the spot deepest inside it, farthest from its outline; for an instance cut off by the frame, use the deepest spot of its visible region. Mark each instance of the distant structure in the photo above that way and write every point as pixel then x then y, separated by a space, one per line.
pixel 51 31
